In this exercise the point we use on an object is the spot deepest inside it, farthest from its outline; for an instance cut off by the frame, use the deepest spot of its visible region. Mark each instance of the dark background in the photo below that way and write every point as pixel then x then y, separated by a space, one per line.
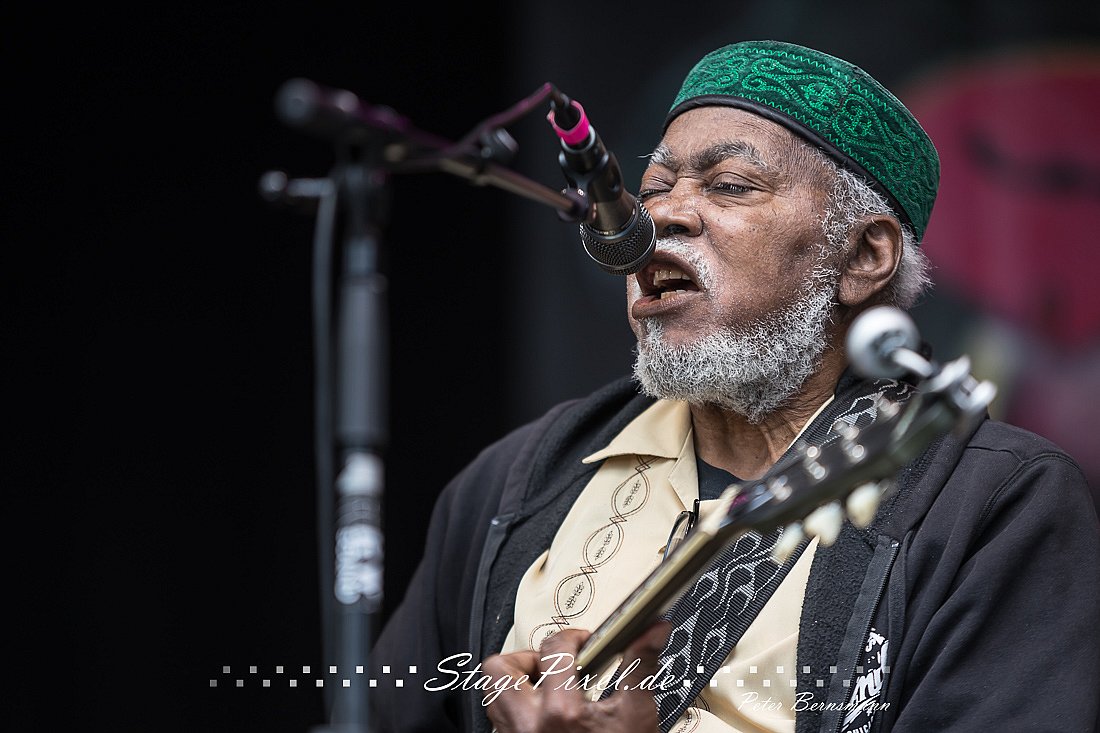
pixel 162 518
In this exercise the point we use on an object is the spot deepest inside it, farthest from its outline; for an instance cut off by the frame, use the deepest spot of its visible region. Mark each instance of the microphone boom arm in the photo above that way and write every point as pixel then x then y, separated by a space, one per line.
pixel 340 115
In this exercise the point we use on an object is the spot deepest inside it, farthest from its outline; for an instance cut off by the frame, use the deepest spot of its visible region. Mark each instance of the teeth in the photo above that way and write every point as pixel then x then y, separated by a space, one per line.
pixel 672 273
pixel 670 293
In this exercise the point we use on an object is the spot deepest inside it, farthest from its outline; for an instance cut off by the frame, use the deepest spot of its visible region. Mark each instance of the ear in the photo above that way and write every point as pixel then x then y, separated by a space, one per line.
pixel 874 251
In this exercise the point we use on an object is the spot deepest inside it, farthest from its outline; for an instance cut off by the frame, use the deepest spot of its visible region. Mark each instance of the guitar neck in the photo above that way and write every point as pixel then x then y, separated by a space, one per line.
pixel 650 600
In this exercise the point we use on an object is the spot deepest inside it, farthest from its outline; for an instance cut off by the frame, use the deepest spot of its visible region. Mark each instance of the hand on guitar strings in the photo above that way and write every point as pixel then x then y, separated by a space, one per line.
pixel 542 691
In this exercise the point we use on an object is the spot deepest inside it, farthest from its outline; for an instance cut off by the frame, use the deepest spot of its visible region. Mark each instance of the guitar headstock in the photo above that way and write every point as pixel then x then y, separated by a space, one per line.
pixel 849 473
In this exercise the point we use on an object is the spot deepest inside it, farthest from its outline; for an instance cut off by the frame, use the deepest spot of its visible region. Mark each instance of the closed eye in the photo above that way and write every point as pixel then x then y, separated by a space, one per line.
pixel 647 193
pixel 730 187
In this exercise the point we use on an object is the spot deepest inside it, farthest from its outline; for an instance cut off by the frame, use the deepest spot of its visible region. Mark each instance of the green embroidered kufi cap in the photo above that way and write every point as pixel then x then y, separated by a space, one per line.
pixel 833 104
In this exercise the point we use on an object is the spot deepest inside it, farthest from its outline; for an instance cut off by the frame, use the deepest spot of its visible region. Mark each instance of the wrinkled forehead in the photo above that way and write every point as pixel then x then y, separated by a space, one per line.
pixel 703 126
pixel 710 155
pixel 705 137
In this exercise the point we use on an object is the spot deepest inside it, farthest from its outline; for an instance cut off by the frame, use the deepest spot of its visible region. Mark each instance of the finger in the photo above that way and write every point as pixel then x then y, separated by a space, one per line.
pixel 509 702
pixel 558 656
pixel 562 688
pixel 512 715
pixel 511 675
pixel 516 664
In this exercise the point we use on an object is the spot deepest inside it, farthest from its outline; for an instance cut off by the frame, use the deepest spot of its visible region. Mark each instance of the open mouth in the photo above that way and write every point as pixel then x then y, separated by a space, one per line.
pixel 665 280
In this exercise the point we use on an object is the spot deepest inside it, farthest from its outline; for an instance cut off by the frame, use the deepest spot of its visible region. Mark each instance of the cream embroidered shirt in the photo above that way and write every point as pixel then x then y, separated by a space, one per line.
pixel 613 537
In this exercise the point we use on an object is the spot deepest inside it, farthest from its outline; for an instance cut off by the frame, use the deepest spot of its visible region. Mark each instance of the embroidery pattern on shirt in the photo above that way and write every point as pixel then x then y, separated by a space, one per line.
pixel 574 593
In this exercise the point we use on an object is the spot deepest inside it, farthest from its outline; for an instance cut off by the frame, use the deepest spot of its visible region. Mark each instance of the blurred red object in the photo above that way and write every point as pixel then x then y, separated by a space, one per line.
pixel 1016 227
pixel 1015 233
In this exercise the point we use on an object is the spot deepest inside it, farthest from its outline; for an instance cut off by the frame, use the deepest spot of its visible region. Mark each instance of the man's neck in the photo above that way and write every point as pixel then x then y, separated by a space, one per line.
pixel 725 439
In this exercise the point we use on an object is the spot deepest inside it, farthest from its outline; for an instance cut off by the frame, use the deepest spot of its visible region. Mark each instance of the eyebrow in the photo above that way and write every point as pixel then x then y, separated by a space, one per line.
pixel 710 156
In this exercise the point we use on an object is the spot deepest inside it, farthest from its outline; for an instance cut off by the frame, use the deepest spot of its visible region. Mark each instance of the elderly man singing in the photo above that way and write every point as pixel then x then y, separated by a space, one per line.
pixel 789 191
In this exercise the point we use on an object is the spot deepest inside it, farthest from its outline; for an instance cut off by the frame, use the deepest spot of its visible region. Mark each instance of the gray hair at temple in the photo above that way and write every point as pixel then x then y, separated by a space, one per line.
pixel 851 199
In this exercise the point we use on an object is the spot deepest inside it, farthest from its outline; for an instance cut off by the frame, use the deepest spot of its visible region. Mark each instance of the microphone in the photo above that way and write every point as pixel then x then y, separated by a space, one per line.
pixel 617 233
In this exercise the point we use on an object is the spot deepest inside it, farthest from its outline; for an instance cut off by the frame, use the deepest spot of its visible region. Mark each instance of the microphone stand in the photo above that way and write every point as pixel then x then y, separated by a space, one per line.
pixel 351 354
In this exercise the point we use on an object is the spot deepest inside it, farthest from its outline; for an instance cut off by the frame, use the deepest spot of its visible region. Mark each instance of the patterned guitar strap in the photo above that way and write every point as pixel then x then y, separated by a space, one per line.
pixel 711 616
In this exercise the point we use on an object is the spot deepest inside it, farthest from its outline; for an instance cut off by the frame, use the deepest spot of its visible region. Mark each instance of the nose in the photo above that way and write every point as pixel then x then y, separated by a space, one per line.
pixel 675 212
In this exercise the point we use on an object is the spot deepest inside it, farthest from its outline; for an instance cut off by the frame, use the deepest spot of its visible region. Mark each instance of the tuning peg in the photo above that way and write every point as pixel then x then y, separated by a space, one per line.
pixel 846 429
pixel 863 503
pixel 811 464
pixel 887 407
pixel 780 486
pixel 887 486
pixel 792 534
pixel 824 522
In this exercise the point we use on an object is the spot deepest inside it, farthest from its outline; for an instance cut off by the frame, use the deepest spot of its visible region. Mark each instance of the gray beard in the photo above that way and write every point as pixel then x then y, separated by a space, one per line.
pixel 751 369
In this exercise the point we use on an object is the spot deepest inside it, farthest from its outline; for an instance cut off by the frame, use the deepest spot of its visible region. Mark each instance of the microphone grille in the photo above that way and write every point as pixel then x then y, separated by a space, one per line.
pixel 624 252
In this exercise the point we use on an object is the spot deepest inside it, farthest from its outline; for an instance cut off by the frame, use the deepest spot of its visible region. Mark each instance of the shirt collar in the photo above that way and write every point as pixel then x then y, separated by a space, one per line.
pixel 660 431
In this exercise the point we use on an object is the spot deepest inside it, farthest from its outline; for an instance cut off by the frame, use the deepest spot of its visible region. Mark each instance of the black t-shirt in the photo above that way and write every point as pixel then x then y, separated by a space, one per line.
pixel 713 480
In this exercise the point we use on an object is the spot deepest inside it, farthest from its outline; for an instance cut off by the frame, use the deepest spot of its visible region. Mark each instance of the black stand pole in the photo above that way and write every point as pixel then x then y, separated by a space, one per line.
pixel 351 350
pixel 361 433
pixel 351 365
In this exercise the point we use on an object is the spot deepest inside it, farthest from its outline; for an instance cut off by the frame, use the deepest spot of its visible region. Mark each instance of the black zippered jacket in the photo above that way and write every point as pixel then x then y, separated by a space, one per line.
pixel 982 572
